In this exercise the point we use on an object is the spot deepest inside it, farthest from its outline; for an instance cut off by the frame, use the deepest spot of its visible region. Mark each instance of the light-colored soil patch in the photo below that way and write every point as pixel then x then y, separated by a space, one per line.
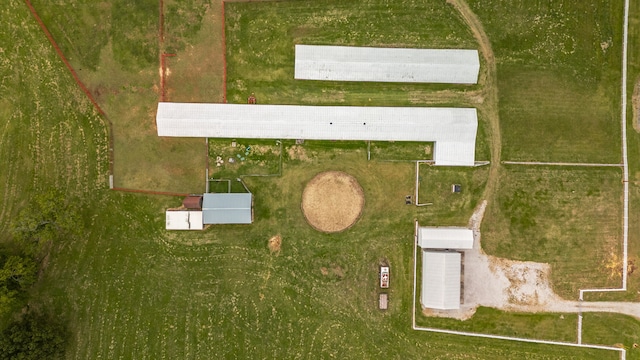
pixel 521 286
pixel 335 270
pixel 274 244
pixel 635 100
pixel 297 152
pixel 332 201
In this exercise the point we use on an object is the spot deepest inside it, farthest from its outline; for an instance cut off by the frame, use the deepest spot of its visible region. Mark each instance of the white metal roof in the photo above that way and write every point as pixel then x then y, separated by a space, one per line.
pixel 227 208
pixel 440 280
pixel 184 220
pixel 347 63
pixel 452 129
pixel 445 238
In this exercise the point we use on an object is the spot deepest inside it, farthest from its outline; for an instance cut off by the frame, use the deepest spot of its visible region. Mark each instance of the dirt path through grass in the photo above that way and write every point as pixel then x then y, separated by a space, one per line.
pixel 489 106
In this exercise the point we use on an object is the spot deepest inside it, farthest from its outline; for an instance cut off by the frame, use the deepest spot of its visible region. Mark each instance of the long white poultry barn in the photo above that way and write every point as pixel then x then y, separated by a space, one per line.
pixel 453 130
pixel 348 63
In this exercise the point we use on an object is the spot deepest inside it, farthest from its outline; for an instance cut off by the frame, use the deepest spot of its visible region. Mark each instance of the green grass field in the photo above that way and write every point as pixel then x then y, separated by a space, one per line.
pixel 559 85
pixel 567 217
pixel 558 78
pixel 634 143
pixel 120 65
pixel 261 61
pixel 129 289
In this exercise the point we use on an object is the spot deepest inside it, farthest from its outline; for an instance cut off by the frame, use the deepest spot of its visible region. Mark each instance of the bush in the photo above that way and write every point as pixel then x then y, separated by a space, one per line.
pixel 33 336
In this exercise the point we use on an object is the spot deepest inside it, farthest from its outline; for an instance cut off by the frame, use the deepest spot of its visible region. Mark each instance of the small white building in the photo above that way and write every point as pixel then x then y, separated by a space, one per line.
pixel 441 280
pixel 184 220
pixel 349 63
pixel 454 238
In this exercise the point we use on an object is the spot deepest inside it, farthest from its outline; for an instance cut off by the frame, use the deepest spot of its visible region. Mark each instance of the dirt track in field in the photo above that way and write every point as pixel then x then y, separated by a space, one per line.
pixel 488 105
pixel 332 201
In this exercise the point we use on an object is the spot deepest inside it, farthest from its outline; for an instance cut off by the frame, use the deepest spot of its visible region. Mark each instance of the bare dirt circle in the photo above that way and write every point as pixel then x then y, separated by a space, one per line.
pixel 332 201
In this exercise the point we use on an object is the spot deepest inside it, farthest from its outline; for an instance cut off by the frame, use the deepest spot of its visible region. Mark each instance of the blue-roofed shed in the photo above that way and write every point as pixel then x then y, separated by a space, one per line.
pixel 227 208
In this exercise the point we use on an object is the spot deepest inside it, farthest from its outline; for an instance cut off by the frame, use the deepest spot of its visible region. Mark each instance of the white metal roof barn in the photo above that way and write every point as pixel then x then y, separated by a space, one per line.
pixel 347 63
pixel 452 129
pixel 227 208
pixel 445 238
pixel 440 280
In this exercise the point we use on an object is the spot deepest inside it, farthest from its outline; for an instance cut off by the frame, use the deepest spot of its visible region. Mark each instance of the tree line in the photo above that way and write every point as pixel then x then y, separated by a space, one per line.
pixel 33 332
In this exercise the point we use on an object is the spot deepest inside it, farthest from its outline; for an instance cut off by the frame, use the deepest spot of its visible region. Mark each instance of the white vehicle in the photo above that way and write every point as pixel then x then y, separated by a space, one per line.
pixel 384 277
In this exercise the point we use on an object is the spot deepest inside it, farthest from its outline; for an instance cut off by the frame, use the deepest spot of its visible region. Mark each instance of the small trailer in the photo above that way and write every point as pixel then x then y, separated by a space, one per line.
pixel 384 277
pixel 383 301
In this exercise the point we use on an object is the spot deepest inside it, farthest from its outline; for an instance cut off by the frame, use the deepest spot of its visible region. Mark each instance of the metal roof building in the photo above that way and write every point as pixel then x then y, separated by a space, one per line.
pixel 440 280
pixel 445 238
pixel 184 220
pixel 347 63
pixel 227 208
pixel 192 202
pixel 452 129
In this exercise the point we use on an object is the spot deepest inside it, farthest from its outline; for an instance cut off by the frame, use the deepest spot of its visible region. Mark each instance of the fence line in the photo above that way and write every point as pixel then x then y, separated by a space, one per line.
pixel 150 192
pixel 103 116
pixel 417 186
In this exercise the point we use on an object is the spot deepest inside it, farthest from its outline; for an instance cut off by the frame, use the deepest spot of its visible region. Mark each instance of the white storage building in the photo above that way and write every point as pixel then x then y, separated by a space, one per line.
pixel 348 63
pixel 453 130
pixel 454 238
pixel 440 280
pixel 184 220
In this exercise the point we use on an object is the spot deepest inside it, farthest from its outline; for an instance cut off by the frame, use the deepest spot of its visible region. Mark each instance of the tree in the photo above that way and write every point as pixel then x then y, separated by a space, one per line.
pixel 33 336
pixel 17 274
pixel 48 217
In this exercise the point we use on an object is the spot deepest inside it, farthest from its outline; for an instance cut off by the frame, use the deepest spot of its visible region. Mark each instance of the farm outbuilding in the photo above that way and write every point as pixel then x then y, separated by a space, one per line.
pixel 192 202
pixel 184 220
pixel 453 130
pixel 441 280
pixel 348 63
pixel 227 208
pixel 454 238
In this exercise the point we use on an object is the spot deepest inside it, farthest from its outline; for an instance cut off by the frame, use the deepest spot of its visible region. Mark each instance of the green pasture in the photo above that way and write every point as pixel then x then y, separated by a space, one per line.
pixel 447 208
pixel 610 328
pixel 115 48
pixel 50 135
pixel 545 326
pixel 393 151
pixel 261 38
pixel 634 143
pixel 135 291
pixel 129 289
pixel 568 217
pixel 558 77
